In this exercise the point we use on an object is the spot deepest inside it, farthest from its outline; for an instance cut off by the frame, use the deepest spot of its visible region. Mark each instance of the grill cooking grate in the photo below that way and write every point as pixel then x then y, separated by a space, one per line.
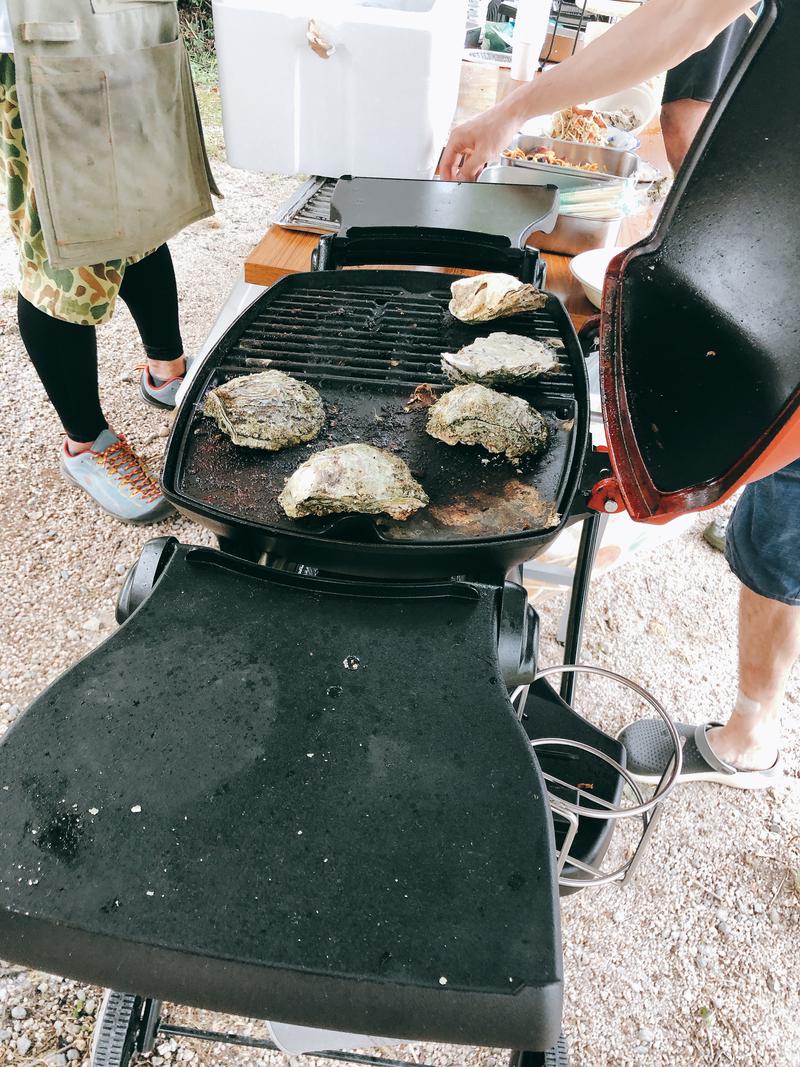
pixel 377 335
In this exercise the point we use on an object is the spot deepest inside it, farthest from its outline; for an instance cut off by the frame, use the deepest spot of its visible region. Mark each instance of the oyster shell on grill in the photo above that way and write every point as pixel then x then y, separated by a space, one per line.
pixel 500 357
pixel 493 296
pixel 474 415
pixel 268 410
pixel 352 478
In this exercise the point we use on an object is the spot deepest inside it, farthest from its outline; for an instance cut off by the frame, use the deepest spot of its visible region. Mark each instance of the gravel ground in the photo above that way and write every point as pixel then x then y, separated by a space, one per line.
pixel 693 963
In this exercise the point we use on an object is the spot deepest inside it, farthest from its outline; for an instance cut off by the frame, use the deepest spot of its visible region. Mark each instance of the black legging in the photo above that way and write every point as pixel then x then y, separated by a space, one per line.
pixel 65 355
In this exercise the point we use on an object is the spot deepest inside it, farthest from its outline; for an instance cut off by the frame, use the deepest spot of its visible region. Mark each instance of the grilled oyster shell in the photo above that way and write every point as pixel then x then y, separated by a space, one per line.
pixel 352 478
pixel 268 410
pixel 498 358
pixel 493 296
pixel 475 415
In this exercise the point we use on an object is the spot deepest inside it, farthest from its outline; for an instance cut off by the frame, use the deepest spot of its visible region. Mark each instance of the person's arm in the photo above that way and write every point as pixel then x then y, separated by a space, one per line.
pixel 656 37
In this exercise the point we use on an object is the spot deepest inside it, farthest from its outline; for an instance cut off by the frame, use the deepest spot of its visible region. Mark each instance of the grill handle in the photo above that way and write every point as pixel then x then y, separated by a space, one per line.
pixel 420 246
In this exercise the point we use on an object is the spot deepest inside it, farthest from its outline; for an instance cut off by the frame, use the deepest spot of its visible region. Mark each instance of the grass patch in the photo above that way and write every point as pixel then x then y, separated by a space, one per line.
pixel 211 114
pixel 197 28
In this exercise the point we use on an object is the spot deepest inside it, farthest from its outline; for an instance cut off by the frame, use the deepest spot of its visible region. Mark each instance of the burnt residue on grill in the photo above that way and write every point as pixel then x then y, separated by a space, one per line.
pixel 368 351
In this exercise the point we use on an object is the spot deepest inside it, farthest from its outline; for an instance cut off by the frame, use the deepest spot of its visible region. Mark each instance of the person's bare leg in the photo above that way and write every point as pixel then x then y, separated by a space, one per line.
pixel 165 369
pixel 680 121
pixel 769 646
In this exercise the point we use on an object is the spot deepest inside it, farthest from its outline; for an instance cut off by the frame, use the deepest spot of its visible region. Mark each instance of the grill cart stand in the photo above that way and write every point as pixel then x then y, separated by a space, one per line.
pixel 353 804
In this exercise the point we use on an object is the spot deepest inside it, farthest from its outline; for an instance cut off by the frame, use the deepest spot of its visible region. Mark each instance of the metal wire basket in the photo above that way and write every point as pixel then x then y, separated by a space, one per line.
pixel 584 805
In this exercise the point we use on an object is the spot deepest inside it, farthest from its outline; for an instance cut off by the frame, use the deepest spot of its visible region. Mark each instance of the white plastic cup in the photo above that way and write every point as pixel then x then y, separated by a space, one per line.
pixel 530 33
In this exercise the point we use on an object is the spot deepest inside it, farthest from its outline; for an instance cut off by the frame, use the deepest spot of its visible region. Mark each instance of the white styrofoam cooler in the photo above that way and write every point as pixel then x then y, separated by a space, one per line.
pixel 380 105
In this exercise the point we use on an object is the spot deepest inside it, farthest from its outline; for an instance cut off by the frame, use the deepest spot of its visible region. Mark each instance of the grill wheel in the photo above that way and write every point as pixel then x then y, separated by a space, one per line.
pixel 557 1056
pixel 117 1030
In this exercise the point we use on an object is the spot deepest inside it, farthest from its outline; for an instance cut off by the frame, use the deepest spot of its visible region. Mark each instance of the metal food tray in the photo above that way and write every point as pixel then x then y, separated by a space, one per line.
pixel 614 164
pixel 309 209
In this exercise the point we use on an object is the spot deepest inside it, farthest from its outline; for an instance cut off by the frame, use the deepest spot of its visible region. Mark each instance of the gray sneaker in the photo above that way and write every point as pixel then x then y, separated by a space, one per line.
pixel 714 535
pixel 116 479
pixel 157 393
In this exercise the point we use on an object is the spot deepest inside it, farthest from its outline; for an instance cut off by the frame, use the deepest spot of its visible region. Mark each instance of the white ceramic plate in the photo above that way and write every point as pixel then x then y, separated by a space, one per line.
pixel 590 270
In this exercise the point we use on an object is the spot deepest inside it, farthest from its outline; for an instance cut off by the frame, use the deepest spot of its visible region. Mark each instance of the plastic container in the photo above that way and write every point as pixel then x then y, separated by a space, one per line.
pixel 590 270
pixel 365 87
pixel 530 30
pixel 476 20
pixel 639 98
pixel 572 234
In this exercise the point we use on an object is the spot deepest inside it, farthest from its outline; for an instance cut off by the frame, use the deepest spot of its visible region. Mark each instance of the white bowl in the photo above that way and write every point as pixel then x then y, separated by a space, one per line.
pixel 590 270
pixel 622 141
pixel 640 100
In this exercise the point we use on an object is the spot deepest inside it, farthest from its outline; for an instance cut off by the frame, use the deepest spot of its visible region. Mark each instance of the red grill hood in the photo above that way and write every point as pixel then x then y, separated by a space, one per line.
pixel 700 336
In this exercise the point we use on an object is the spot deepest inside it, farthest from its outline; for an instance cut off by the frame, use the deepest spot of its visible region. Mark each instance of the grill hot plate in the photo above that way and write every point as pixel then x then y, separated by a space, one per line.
pixel 366 340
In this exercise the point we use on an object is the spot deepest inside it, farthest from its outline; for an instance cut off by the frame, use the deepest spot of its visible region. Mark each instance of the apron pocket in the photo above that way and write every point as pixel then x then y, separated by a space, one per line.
pixel 120 145
pixel 157 147
pixel 72 114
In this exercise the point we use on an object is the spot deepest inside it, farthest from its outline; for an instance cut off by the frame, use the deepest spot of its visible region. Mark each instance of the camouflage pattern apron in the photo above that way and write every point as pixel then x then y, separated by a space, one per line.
pixel 82 295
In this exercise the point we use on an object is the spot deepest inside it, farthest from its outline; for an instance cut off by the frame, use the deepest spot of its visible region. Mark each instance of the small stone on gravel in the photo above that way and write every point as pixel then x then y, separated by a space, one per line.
pixel 24 1045
pixel 19 1012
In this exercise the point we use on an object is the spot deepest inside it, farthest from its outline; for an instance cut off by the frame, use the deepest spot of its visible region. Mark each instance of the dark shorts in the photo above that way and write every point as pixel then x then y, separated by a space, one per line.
pixel 763 538
pixel 700 76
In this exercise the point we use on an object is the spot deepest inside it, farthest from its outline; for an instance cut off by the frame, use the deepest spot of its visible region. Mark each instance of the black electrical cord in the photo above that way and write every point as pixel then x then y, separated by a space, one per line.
pixel 580 26
pixel 543 63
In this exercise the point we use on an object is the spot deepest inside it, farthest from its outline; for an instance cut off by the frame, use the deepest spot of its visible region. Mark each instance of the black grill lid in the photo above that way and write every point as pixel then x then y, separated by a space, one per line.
pixel 700 366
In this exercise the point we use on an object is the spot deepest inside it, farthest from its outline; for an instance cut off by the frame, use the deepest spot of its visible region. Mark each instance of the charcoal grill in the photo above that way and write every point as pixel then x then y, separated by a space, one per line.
pixel 354 803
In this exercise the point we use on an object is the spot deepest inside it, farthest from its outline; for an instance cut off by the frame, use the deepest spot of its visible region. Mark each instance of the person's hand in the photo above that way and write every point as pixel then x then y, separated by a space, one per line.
pixel 476 143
